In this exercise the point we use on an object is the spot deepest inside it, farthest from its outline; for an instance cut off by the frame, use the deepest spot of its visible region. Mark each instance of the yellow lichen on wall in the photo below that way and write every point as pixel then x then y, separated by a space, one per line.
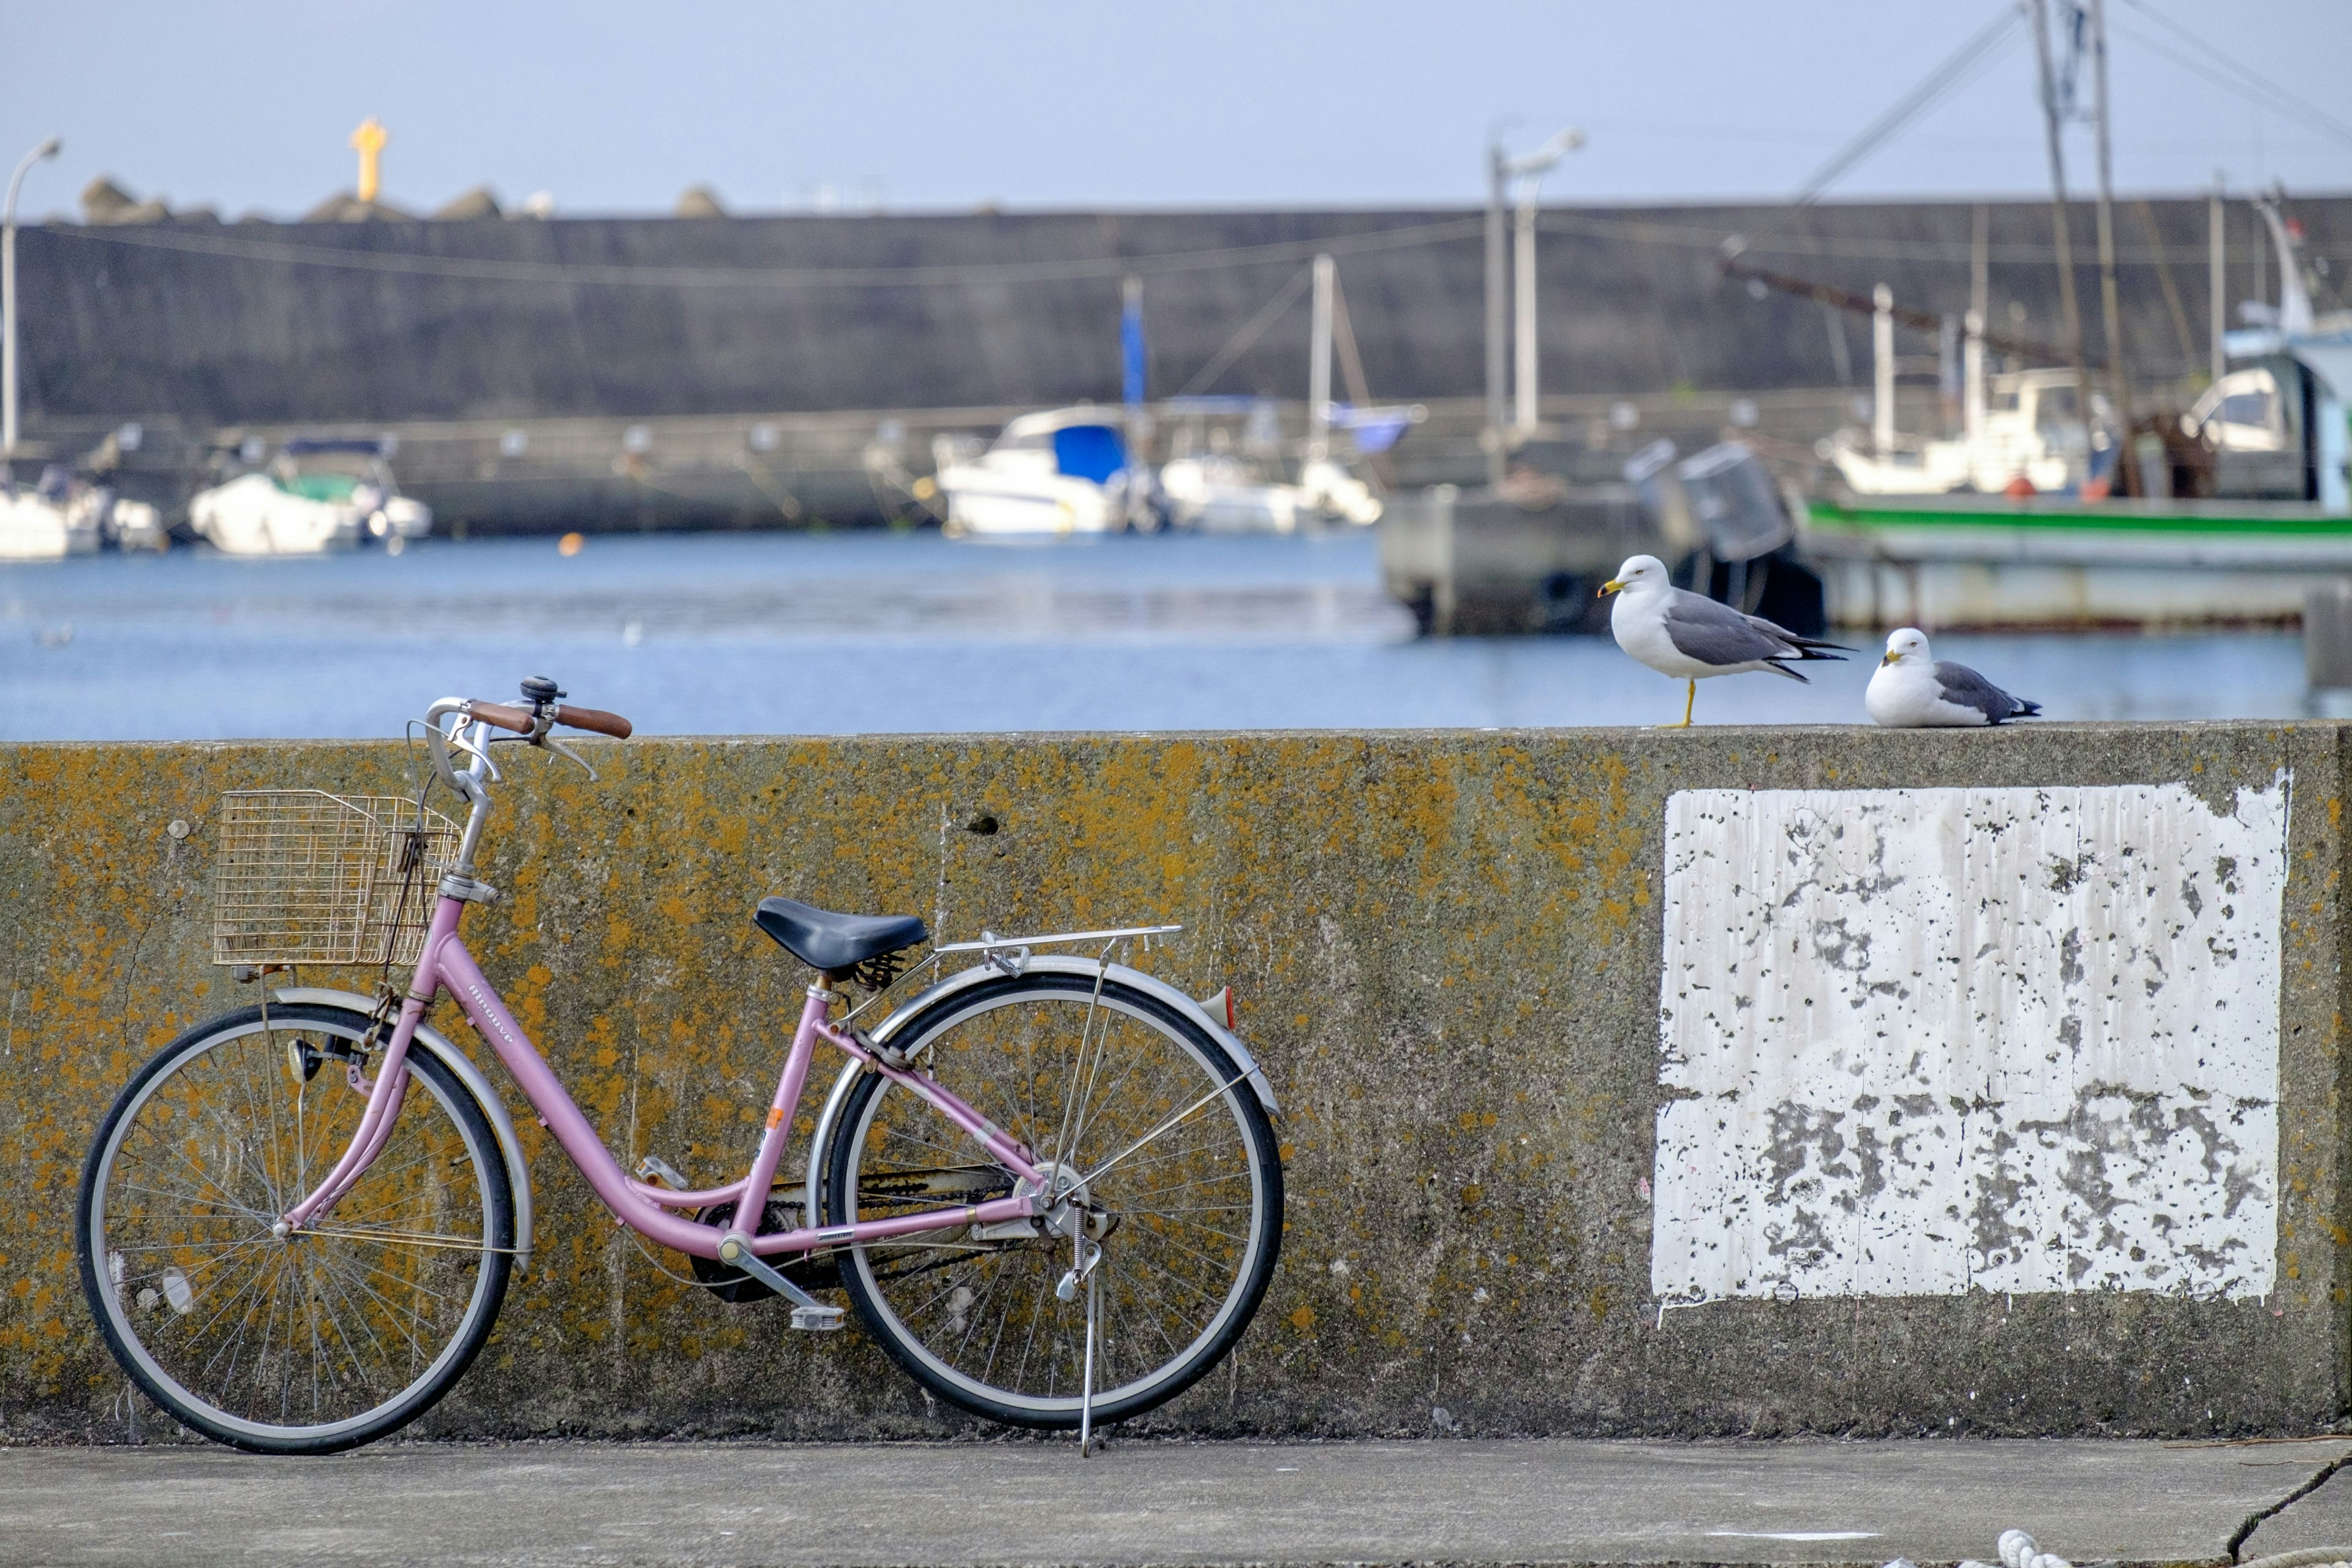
pixel 1445 950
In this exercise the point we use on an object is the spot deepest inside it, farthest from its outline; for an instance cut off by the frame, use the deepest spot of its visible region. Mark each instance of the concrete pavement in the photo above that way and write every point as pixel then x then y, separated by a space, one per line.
pixel 1550 1501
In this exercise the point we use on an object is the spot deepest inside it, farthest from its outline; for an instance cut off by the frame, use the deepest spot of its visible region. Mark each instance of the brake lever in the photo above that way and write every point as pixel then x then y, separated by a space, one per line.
pixel 560 749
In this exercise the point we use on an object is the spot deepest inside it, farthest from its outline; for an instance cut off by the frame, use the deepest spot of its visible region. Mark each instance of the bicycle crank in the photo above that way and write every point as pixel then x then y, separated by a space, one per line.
pixel 808 1312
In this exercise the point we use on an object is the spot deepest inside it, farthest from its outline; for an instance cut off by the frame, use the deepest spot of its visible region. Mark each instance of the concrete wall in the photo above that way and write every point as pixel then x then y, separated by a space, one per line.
pixel 632 316
pixel 1472 963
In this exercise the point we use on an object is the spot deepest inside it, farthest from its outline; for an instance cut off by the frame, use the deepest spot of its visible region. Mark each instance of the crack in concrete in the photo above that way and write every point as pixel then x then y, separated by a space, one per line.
pixel 2254 1521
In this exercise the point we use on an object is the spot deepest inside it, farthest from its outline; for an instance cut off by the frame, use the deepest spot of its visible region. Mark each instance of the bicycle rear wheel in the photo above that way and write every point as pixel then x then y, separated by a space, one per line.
pixel 1134 1108
pixel 333 1337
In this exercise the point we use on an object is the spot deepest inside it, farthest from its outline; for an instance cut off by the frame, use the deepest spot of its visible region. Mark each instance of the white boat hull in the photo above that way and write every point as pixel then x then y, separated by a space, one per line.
pixel 1201 495
pixel 35 529
pixel 1970 561
pixel 1983 595
pixel 991 503
pixel 251 516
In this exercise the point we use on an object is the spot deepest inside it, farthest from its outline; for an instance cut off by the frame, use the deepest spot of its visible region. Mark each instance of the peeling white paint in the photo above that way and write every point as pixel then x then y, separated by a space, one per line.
pixel 1924 1041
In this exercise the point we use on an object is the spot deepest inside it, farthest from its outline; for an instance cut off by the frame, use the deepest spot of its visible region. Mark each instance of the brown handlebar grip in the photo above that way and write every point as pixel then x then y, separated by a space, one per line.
pixel 594 719
pixel 501 716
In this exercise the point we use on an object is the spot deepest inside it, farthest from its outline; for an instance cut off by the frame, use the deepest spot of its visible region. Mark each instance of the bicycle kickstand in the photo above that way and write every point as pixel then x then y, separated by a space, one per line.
pixel 1089 1260
pixel 1087 1384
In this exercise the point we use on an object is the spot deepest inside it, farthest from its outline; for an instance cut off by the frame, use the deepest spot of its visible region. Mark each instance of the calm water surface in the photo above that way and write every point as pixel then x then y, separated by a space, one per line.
pixel 845 633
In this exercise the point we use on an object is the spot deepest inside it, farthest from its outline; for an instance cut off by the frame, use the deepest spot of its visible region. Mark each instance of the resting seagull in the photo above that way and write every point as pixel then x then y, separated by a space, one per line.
pixel 1913 690
pixel 1691 637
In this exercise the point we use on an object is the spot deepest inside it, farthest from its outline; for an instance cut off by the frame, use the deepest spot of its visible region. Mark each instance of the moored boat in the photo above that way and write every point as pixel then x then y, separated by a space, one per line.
pixel 1050 475
pixel 316 494
pixel 1953 561
pixel 34 528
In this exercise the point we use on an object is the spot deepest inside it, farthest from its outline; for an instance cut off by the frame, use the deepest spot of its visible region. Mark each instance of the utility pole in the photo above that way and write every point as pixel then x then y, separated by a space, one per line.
pixel 1318 364
pixel 2065 243
pixel 49 149
pixel 1523 262
pixel 2217 301
pixel 2111 313
pixel 1496 307
pixel 1530 170
pixel 1500 173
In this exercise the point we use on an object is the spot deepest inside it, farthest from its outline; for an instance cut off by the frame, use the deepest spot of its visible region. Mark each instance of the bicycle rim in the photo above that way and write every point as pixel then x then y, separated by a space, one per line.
pixel 332 1338
pixel 1191 1218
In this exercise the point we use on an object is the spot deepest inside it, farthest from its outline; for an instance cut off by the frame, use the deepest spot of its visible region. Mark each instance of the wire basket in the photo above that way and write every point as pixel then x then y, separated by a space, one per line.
pixel 305 877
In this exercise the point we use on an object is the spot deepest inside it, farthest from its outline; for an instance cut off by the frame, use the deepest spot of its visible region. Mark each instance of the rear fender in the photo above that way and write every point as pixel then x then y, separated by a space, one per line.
pixel 821 1140
pixel 1059 964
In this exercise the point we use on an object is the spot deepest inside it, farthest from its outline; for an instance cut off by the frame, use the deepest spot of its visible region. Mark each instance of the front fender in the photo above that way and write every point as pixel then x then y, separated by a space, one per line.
pixel 440 1048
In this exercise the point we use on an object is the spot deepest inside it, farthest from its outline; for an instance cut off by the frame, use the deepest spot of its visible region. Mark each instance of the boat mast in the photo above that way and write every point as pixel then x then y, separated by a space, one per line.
pixel 1972 371
pixel 2217 301
pixel 2110 307
pixel 2058 221
pixel 1495 308
pixel 1318 364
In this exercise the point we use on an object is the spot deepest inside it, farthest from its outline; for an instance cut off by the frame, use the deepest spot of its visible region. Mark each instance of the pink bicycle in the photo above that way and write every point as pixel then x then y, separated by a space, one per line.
pixel 1048 1183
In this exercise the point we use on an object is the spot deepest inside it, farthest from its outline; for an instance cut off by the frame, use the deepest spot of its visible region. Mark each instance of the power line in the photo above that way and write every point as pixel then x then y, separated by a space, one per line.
pixel 1555 220
pixel 490 269
pixel 1239 343
pixel 2272 96
pixel 1951 73
pixel 2292 108
pixel 1640 231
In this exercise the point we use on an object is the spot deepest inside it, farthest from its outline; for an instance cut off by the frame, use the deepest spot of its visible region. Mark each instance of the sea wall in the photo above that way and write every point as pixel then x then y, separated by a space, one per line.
pixel 632 318
pixel 1720 1081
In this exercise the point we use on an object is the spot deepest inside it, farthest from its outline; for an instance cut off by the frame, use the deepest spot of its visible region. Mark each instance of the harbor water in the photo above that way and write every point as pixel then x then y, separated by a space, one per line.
pixel 831 634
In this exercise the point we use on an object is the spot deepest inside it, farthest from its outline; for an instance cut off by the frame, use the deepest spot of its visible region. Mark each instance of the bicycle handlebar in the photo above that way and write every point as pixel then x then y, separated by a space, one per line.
pixel 594 719
pixel 501 715
pixel 530 722
pixel 509 717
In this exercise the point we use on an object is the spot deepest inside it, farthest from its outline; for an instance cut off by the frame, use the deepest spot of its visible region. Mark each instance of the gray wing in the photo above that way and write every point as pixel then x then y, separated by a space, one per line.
pixel 1806 647
pixel 1718 633
pixel 1964 687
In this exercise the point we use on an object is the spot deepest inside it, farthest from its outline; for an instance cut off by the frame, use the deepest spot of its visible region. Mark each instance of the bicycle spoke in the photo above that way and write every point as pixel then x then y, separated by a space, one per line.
pixel 1174 1191
pixel 333 1323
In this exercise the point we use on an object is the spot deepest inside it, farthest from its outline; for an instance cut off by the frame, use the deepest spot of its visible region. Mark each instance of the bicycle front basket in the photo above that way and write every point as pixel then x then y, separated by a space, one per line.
pixel 305 877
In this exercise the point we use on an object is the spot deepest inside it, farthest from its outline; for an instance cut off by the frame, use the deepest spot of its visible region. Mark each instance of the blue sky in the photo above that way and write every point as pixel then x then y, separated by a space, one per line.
pixel 247 104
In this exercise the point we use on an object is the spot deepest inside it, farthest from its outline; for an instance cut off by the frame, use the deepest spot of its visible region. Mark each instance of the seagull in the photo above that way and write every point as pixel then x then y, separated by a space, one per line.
pixel 1689 635
pixel 1913 690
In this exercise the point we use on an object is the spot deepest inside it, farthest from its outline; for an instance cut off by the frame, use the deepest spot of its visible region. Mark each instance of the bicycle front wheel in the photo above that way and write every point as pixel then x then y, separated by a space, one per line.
pixel 1142 1121
pixel 339 1334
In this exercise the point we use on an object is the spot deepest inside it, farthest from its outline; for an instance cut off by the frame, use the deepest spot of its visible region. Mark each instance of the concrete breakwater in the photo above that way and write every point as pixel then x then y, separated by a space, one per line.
pixel 1732 1081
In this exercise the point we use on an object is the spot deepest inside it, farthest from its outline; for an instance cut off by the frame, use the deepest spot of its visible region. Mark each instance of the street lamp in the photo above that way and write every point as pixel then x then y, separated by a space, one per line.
pixel 49 149
pixel 1529 171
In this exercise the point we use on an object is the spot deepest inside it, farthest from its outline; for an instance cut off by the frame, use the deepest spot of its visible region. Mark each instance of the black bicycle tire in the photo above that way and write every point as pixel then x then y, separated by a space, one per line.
pixel 882 1325
pixel 497 1199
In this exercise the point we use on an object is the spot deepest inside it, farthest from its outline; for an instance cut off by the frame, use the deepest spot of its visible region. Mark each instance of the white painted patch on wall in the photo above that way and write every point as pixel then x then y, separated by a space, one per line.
pixel 1926 1041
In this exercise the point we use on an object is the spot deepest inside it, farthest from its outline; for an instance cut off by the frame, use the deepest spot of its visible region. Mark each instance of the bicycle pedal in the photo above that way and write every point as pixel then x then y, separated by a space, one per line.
pixel 818 1319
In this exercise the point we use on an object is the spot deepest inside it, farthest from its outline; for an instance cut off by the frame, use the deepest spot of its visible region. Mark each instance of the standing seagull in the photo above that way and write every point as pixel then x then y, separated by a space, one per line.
pixel 1911 690
pixel 1691 637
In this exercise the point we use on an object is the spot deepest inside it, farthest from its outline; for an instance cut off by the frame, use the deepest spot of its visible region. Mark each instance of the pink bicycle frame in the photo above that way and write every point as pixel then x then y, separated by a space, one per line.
pixel 445 962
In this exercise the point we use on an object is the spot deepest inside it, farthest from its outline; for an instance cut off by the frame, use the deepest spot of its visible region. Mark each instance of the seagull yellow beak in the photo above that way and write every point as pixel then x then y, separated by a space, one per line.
pixel 1610 587
pixel 1890 658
